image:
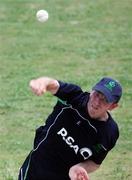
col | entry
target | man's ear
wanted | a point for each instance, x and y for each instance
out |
(113, 106)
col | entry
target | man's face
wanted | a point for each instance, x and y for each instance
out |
(98, 105)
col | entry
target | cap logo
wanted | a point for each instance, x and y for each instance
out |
(110, 85)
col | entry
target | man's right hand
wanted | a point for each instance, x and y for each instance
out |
(40, 85)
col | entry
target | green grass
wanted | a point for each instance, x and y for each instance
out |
(81, 42)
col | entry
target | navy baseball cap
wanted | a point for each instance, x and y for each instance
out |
(111, 89)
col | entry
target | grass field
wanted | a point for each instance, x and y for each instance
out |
(82, 41)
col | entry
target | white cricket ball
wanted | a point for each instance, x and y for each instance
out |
(42, 15)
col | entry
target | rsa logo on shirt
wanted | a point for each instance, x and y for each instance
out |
(84, 152)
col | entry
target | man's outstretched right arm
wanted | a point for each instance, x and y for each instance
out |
(71, 93)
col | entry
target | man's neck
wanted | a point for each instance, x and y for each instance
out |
(104, 117)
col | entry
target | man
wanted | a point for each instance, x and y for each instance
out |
(77, 135)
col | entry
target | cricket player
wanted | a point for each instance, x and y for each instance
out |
(77, 135)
